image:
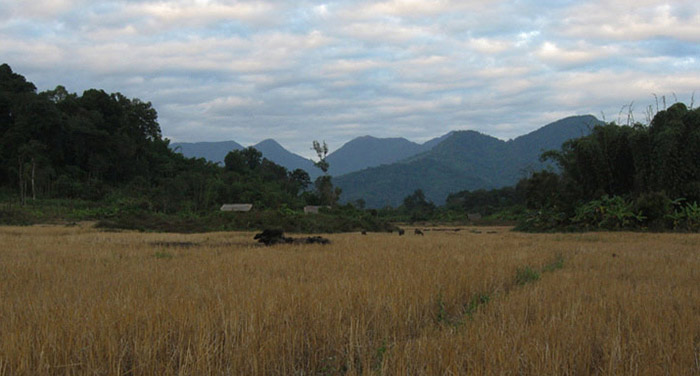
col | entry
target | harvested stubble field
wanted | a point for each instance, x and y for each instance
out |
(76, 301)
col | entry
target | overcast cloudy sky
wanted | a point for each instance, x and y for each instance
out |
(303, 70)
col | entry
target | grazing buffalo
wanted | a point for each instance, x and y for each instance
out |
(364, 232)
(271, 236)
(401, 232)
(276, 236)
(418, 232)
(312, 240)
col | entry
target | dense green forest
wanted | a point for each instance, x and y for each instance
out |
(60, 145)
(105, 154)
(632, 176)
(624, 176)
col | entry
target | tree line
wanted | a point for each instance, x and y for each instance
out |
(625, 176)
(106, 147)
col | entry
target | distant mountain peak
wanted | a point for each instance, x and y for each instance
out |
(469, 133)
(381, 139)
(269, 141)
(271, 145)
(272, 150)
(436, 141)
(367, 151)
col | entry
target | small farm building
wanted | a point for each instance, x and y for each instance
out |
(313, 209)
(236, 207)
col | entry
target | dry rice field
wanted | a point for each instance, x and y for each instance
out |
(77, 301)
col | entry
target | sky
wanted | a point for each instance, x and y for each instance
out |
(298, 71)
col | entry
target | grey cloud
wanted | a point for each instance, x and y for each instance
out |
(306, 70)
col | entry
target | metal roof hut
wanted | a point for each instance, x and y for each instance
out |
(474, 216)
(236, 207)
(312, 209)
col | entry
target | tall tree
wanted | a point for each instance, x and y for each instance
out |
(418, 206)
(322, 152)
(327, 194)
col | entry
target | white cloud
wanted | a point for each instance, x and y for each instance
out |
(627, 20)
(418, 8)
(503, 72)
(489, 45)
(383, 33)
(580, 54)
(223, 105)
(345, 67)
(524, 38)
(179, 14)
(405, 8)
(38, 9)
(321, 10)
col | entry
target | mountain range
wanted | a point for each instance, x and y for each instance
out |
(466, 160)
(382, 171)
(211, 151)
(357, 154)
(368, 151)
(270, 149)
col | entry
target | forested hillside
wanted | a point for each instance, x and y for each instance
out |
(107, 147)
(623, 176)
(466, 160)
(101, 156)
(368, 151)
(275, 152)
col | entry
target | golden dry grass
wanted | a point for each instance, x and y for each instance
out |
(75, 301)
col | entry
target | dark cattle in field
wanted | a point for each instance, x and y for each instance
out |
(401, 232)
(364, 232)
(418, 232)
(276, 236)
(271, 236)
(313, 240)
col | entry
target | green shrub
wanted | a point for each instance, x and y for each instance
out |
(545, 219)
(686, 217)
(610, 213)
(15, 216)
(474, 303)
(654, 207)
(526, 275)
